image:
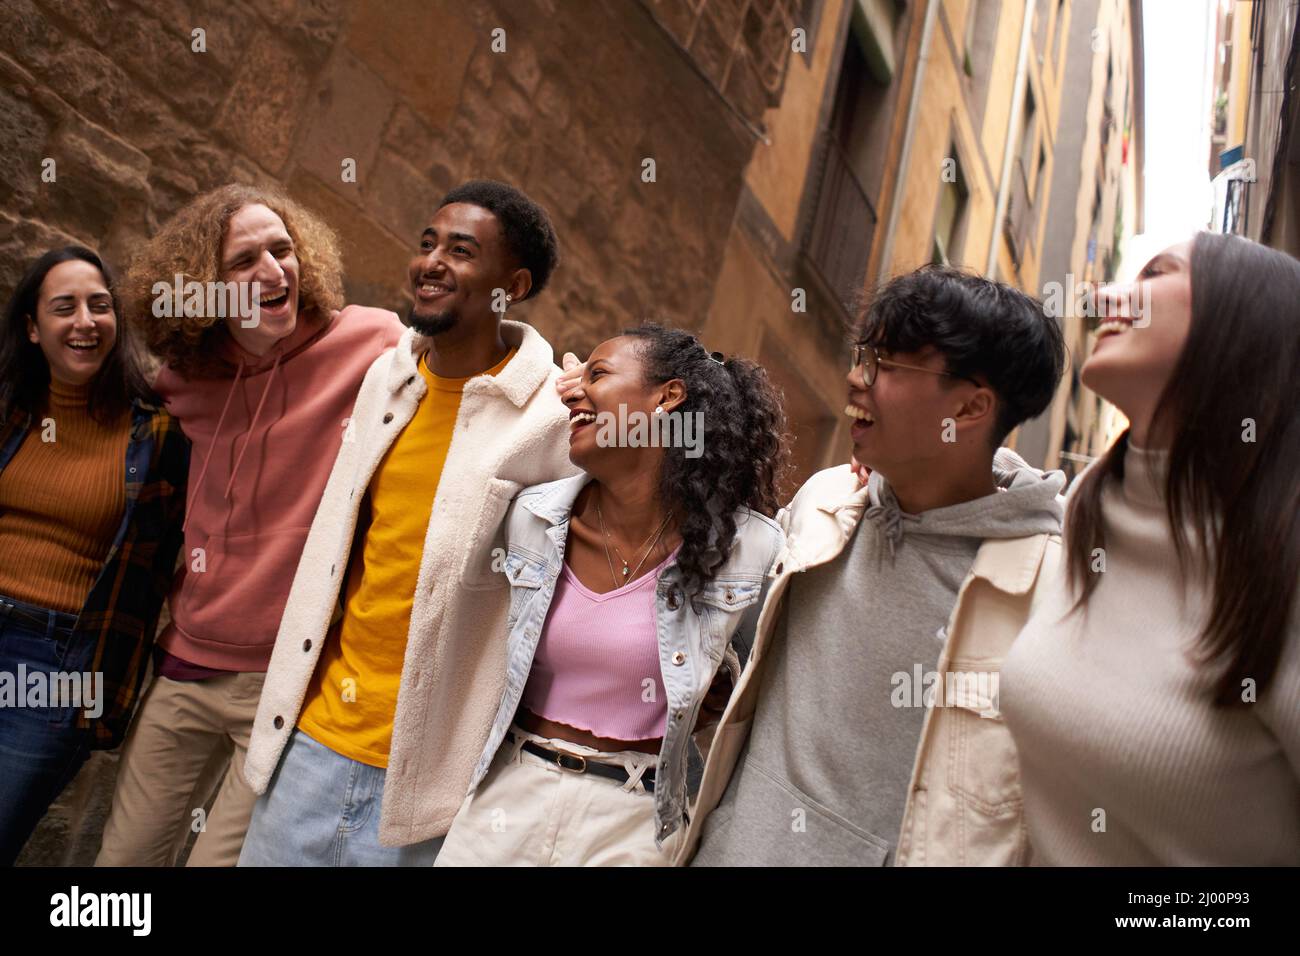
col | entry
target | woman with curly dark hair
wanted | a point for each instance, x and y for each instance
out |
(630, 585)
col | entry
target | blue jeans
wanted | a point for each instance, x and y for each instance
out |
(41, 748)
(322, 809)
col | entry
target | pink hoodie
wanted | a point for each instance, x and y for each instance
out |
(264, 441)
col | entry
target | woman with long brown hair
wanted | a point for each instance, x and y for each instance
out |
(92, 494)
(1154, 697)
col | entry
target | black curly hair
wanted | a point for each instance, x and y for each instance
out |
(744, 449)
(980, 327)
(525, 225)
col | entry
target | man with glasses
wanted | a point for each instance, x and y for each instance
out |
(865, 730)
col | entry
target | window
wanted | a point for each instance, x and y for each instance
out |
(950, 217)
(1027, 143)
(852, 163)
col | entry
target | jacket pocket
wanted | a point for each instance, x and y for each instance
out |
(525, 576)
(485, 556)
(721, 606)
(982, 763)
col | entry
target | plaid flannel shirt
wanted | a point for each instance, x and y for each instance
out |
(121, 612)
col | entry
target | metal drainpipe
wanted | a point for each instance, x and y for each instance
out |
(1017, 107)
(900, 181)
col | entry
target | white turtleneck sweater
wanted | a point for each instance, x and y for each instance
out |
(1115, 724)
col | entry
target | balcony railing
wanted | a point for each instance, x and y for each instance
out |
(839, 242)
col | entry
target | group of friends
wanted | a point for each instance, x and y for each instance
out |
(420, 612)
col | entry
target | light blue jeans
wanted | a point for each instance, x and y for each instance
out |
(322, 809)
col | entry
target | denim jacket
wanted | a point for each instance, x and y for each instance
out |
(693, 635)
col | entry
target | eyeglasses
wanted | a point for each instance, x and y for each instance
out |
(869, 359)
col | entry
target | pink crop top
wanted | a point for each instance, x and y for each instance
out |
(597, 661)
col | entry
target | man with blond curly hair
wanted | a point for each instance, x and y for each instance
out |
(264, 393)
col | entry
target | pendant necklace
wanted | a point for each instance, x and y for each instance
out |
(628, 570)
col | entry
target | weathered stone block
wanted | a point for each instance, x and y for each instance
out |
(520, 61)
(400, 198)
(29, 35)
(421, 50)
(409, 136)
(374, 260)
(22, 241)
(22, 147)
(348, 113)
(94, 20)
(161, 52)
(264, 107)
(312, 27)
(89, 81)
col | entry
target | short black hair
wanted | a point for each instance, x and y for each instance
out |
(981, 328)
(525, 225)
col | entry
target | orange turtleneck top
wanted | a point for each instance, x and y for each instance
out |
(61, 502)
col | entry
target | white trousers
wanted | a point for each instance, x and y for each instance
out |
(528, 811)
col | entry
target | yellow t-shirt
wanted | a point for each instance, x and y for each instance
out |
(353, 694)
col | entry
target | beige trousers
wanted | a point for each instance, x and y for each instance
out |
(187, 736)
(528, 811)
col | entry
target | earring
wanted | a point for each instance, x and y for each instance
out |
(509, 297)
(659, 409)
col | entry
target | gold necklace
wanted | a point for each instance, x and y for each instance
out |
(628, 571)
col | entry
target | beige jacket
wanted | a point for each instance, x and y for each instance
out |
(510, 433)
(964, 801)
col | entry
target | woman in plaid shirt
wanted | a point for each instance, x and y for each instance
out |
(92, 496)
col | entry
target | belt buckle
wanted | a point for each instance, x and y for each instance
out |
(561, 756)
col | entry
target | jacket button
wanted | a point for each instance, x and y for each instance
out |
(674, 601)
(780, 567)
(679, 716)
(679, 658)
(731, 596)
(279, 722)
(388, 417)
(306, 645)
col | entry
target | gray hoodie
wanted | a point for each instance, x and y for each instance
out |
(823, 778)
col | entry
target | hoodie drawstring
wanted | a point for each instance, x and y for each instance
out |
(203, 472)
(890, 520)
(252, 427)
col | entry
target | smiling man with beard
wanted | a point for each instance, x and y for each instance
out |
(372, 719)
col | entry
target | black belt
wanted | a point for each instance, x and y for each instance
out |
(579, 764)
(18, 612)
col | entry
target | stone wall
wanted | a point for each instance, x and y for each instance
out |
(136, 122)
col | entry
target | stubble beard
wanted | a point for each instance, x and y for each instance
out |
(431, 325)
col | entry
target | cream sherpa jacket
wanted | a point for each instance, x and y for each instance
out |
(510, 433)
